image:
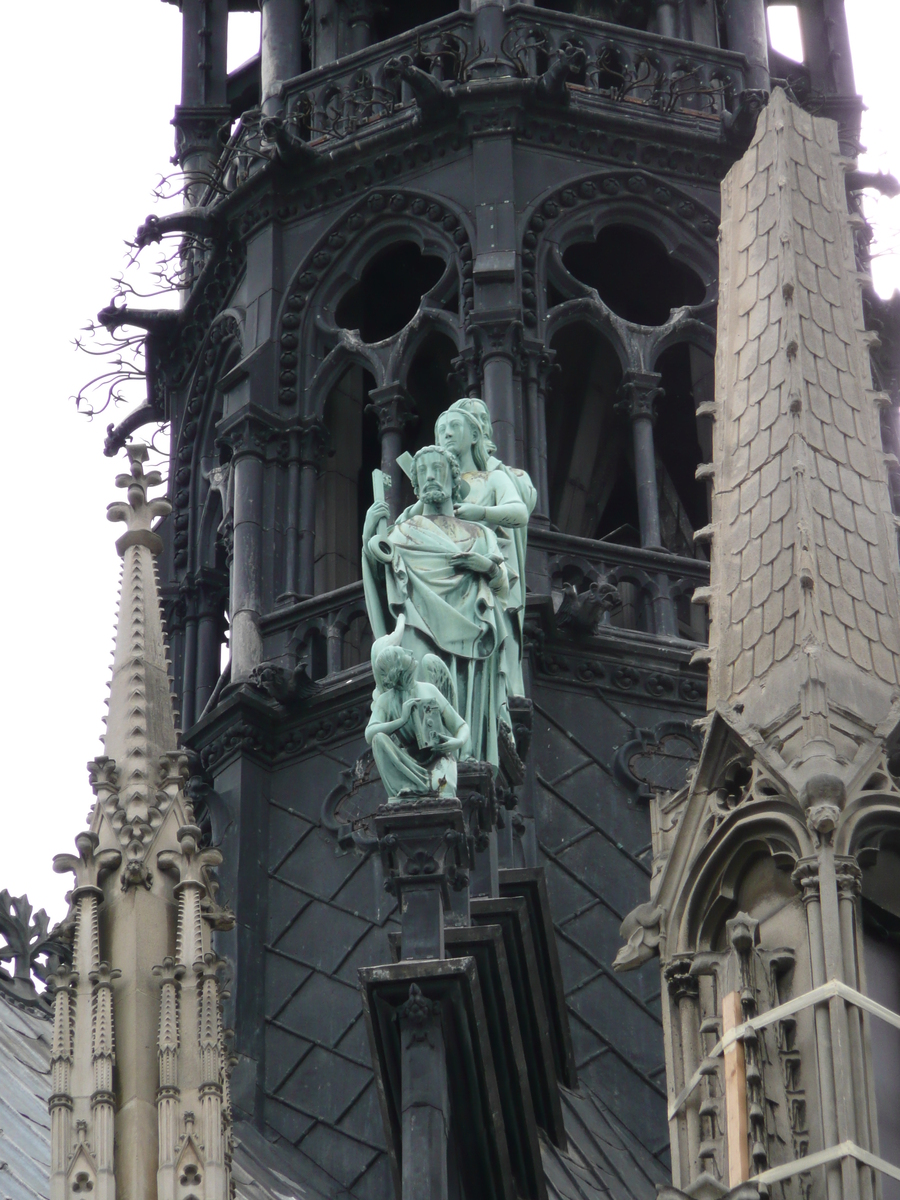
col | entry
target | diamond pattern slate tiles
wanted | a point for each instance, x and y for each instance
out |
(327, 917)
(594, 843)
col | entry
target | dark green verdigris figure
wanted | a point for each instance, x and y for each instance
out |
(445, 592)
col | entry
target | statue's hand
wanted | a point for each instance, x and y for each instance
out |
(377, 513)
(469, 512)
(478, 564)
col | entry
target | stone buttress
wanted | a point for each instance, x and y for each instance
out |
(140, 1101)
(761, 859)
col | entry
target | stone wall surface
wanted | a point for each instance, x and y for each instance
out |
(806, 549)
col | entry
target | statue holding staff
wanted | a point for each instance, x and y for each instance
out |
(498, 496)
(447, 578)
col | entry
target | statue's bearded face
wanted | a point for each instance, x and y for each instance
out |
(455, 432)
(434, 478)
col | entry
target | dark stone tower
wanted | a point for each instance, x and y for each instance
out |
(397, 204)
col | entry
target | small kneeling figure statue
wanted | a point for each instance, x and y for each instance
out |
(415, 732)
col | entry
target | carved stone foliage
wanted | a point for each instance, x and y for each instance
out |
(31, 948)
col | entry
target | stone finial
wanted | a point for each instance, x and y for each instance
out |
(139, 511)
(132, 781)
(26, 938)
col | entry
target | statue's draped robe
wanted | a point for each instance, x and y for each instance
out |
(505, 485)
(449, 611)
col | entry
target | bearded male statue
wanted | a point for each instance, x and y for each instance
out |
(447, 578)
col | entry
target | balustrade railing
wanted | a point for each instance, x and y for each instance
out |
(361, 91)
(625, 65)
(330, 633)
(640, 578)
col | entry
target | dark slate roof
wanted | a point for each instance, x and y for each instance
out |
(261, 1171)
(25, 1043)
(603, 1160)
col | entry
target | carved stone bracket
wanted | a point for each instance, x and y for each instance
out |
(426, 853)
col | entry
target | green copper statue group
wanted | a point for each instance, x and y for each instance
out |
(445, 594)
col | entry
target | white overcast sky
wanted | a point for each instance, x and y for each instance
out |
(90, 87)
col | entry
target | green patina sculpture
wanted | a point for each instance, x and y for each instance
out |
(415, 732)
(444, 591)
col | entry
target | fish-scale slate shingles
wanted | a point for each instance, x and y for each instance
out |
(798, 450)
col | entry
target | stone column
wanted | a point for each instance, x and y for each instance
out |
(748, 34)
(684, 990)
(204, 109)
(280, 56)
(189, 664)
(492, 60)
(639, 390)
(806, 878)
(667, 18)
(393, 407)
(497, 337)
(292, 522)
(849, 884)
(357, 19)
(313, 439)
(211, 600)
(538, 364)
(249, 437)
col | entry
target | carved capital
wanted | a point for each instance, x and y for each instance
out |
(464, 371)
(313, 442)
(638, 392)
(539, 360)
(497, 335)
(248, 434)
(805, 877)
(681, 983)
(202, 595)
(198, 130)
(393, 408)
(849, 877)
